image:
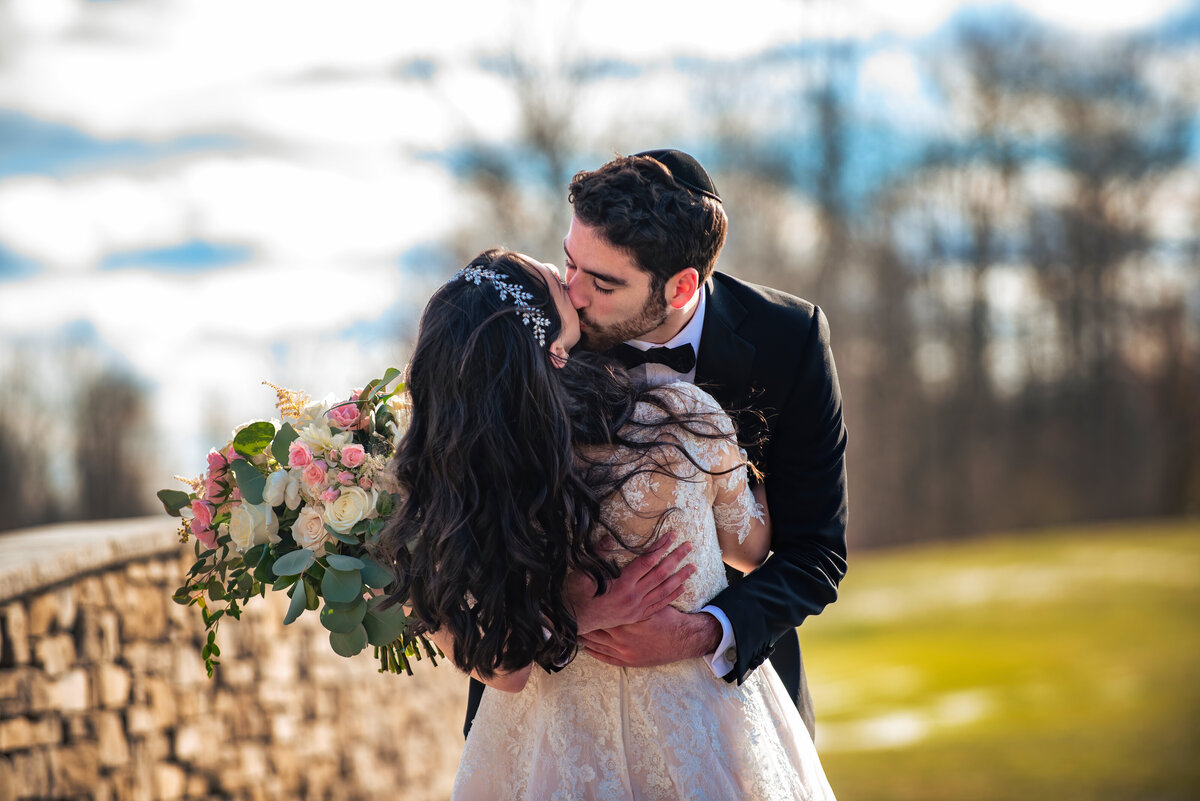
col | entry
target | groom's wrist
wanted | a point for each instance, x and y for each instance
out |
(700, 634)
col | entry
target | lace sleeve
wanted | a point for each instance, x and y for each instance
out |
(735, 509)
(734, 506)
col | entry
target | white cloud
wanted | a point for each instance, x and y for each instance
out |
(1105, 16)
(332, 210)
(891, 86)
(893, 72)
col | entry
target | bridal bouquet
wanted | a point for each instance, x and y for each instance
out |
(293, 506)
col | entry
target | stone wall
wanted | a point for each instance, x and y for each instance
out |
(103, 692)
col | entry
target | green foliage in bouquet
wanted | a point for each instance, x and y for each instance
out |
(296, 506)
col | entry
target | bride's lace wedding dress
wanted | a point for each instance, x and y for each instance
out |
(594, 731)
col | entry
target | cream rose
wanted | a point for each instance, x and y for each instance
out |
(353, 505)
(320, 439)
(309, 531)
(251, 525)
(276, 486)
(291, 495)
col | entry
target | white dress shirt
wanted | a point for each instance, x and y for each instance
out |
(724, 658)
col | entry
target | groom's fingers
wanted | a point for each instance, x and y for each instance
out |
(646, 561)
(605, 651)
(667, 570)
(668, 591)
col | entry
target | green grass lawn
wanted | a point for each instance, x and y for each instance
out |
(1050, 665)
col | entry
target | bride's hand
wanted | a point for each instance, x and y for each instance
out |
(645, 586)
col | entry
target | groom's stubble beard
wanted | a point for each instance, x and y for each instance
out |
(600, 338)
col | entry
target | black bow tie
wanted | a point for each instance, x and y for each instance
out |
(681, 359)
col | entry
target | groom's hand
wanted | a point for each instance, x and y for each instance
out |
(668, 636)
(645, 586)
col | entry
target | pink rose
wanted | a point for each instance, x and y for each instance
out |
(314, 472)
(365, 483)
(344, 416)
(299, 454)
(207, 537)
(345, 477)
(202, 512)
(214, 490)
(330, 495)
(353, 456)
(216, 463)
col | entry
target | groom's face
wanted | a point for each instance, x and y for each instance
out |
(614, 296)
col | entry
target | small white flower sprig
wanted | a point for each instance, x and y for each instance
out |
(530, 315)
(295, 505)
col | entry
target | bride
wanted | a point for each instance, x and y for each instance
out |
(529, 473)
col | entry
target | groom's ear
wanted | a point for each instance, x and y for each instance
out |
(682, 286)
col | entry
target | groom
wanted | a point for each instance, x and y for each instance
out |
(640, 257)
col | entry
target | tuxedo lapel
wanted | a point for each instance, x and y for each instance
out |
(725, 361)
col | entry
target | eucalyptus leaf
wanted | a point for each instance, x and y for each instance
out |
(343, 617)
(265, 569)
(384, 627)
(249, 481)
(375, 527)
(349, 644)
(254, 554)
(342, 562)
(296, 607)
(282, 442)
(312, 596)
(293, 563)
(341, 586)
(283, 582)
(375, 575)
(347, 538)
(254, 438)
(173, 500)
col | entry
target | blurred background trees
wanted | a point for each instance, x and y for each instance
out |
(1014, 312)
(1013, 286)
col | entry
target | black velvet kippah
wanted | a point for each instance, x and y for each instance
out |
(686, 170)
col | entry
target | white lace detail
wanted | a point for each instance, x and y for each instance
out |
(592, 731)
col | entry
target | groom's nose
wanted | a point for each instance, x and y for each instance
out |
(575, 289)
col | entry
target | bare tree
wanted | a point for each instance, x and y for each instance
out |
(110, 426)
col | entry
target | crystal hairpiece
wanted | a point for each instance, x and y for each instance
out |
(530, 316)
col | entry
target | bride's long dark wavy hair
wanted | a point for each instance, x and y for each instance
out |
(498, 500)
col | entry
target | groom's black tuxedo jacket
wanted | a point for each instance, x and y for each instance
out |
(764, 355)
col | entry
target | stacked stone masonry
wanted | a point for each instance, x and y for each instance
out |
(103, 695)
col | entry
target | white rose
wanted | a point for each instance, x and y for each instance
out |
(291, 495)
(276, 485)
(353, 505)
(321, 439)
(309, 531)
(251, 525)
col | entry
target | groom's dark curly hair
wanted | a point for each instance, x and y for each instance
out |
(499, 499)
(640, 208)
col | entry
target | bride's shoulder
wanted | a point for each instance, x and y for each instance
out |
(686, 398)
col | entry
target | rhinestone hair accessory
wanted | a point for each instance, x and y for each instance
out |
(521, 298)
